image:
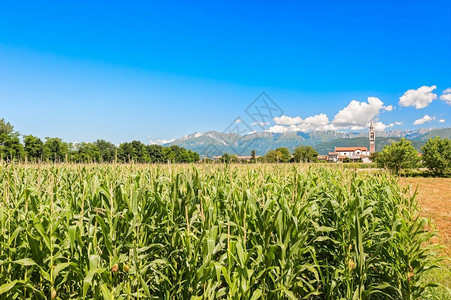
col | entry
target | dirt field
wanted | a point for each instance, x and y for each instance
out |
(434, 195)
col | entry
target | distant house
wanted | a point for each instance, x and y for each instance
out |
(354, 153)
(334, 157)
(322, 157)
(351, 153)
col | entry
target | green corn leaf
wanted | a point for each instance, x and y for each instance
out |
(4, 288)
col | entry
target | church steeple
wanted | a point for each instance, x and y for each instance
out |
(372, 139)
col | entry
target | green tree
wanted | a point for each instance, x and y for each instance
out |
(107, 150)
(133, 152)
(305, 154)
(178, 153)
(181, 155)
(373, 156)
(10, 147)
(7, 128)
(187, 157)
(194, 156)
(126, 153)
(229, 158)
(225, 158)
(87, 152)
(169, 155)
(285, 154)
(156, 153)
(253, 156)
(437, 156)
(34, 148)
(233, 158)
(398, 156)
(273, 156)
(55, 149)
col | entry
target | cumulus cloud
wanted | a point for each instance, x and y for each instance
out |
(285, 120)
(318, 120)
(262, 124)
(379, 126)
(388, 108)
(419, 98)
(441, 121)
(423, 120)
(293, 124)
(160, 142)
(446, 96)
(282, 129)
(357, 115)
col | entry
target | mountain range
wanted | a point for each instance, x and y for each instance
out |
(213, 143)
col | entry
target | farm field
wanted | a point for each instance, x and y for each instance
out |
(210, 231)
(434, 195)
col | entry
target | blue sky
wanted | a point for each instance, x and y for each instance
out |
(125, 70)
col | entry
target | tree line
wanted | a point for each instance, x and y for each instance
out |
(33, 149)
(402, 157)
(279, 155)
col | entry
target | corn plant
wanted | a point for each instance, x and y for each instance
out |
(209, 232)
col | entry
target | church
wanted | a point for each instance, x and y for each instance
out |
(360, 153)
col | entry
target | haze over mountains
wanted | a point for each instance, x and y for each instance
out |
(213, 143)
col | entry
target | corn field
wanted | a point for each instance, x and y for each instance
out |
(208, 232)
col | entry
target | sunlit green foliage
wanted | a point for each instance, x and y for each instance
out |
(398, 156)
(437, 156)
(181, 232)
(305, 154)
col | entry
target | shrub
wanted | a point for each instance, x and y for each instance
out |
(437, 156)
(398, 156)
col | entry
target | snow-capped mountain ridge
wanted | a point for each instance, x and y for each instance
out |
(261, 142)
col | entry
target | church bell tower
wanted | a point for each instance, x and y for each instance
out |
(372, 139)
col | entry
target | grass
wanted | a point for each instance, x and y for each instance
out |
(206, 232)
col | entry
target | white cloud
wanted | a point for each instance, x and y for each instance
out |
(357, 115)
(379, 126)
(262, 124)
(423, 120)
(318, 120)
(282, 129)
(441, 121)
(285, 120)
(419, 98)
(446, 96)
(388, 108)
(293, 124)
(160, 142)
